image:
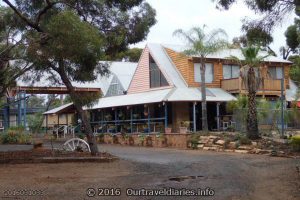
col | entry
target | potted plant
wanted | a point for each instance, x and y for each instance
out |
(149, 141)
(131, 140)
(168, 130)
(108, 117)
(184, 127)
(142, 139)
(145, 128)
(136, 116)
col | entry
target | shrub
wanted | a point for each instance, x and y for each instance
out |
(244, 140)
(194, 141)
(15, 135)
(35, 122)
(295, 142)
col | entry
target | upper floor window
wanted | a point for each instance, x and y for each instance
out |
(209, 72)
(275, 72)
(157, 79)
(231, 71)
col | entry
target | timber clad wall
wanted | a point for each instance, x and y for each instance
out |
(186, 68)
(141, 81)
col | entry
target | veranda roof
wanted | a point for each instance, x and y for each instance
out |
(171, 95)
(58, 109)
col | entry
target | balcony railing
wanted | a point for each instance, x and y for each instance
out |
(236, 85)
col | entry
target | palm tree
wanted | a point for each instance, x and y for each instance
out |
(200, 45)
(251, 77)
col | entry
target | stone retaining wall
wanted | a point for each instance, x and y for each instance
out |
(151, 140)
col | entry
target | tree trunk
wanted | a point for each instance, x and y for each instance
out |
(252, 125)
(84, 118)
(203, 98)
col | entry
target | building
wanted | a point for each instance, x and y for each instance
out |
(165, 91)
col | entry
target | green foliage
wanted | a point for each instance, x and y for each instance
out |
(292, 37)
(131, 55)
(194, 140)
(36, 101)
(295, 69)
(295, 142)
(240, 103)
(201, 43)
(15, 135)
(35, 122)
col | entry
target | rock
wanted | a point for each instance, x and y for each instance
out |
(231, 145)
(220, 142)
(200, 146)
(257, 151)
(244, 147)
(263, 151)
(213, 148)
(204, 137)
(213, 137)
(254, 143)
(228, 150)
(203, 141)
(241, 151)
(206, 148)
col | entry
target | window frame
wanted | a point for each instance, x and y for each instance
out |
(198, 74)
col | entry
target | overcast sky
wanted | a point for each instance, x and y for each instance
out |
(174, 14)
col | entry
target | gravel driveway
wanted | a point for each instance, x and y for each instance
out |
(228, 175)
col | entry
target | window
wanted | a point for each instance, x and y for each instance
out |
(231, 71)
(275, 72)
(209, 72)
(115, 88)
(157, 79)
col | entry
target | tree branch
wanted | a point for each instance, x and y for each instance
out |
(44, 10)
(25, 19)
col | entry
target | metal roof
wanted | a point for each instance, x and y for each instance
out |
(226, 53)
(55, 110)
(123, 70)
(163, 60)
(171, 95)
(132, 99)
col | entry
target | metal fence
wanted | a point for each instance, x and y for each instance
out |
(268, 119)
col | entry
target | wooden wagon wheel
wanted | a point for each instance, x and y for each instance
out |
(76, 144)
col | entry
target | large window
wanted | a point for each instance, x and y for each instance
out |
(275, 72)
(231, 71)
(157, 79)
(209, 72)
(115, 88)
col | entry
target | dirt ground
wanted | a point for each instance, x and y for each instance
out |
(231, 176)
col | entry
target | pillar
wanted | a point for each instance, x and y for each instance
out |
(218, 115)
(194, 116)
(148, 119)
(166, 115)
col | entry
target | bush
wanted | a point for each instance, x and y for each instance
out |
(244, 140)
(35, 122)
(15, 135)
(194, 141)
(295, 142)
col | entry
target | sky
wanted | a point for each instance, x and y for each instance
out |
(185, 14)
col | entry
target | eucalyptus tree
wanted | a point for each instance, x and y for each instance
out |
(201, 44)
(66, 39)
(252, 79)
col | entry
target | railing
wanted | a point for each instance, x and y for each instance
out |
(235, 85)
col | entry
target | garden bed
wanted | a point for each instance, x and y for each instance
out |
(49, 156)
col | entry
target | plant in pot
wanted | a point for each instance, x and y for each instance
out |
(142, 139)
(136, 116)
(121, 115)
(145, 128)
(108, 117)
(131, 140)
(125, 138)
(168, 130)
(101, 138)
(149, 141)
(183, 128)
